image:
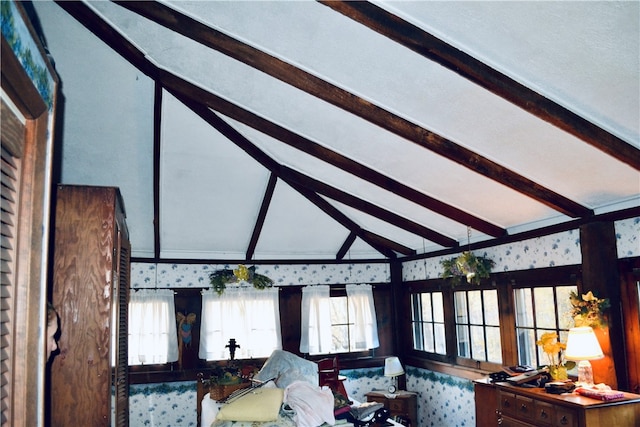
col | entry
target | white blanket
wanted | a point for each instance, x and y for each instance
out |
(312, 405)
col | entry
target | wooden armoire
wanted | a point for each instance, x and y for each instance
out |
(91, 253)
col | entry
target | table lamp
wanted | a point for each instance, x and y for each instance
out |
(583, 346)
(393, 368)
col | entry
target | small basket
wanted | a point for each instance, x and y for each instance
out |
(222, 391)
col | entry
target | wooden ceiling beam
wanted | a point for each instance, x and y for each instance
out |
(214, 39)
(429, 46)
(262, 214)
(344, 249)
(368, 208)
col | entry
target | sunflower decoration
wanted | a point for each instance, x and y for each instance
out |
(467, 265)
(220, 278)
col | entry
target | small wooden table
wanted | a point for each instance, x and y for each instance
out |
(404, 404)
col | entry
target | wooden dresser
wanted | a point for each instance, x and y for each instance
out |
(404, 404)
(89, 378)
(527, 407)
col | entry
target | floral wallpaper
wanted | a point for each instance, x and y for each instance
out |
(163, 404)
(628, 237)
(144, 275)
(443, 400)
(545, 251)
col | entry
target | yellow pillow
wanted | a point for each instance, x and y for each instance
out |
(261, 404)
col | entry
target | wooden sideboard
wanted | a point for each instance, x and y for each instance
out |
(404, 404)
(511, 406)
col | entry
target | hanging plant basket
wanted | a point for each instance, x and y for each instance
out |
(467, 266)
(220, 278)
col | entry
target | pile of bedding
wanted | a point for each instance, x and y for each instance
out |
(288, 395)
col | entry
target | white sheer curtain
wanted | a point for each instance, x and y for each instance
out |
(250, 316)
(152, 327)
(362, 314)
(315, 328)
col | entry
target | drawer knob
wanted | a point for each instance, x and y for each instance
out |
(564, 421)
(523, 408)
(543, 414)
(506, 403)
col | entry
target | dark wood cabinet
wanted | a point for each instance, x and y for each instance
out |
(524, 407)
(404, 404)
(91, 265)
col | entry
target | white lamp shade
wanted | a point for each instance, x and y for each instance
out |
(392, 367)
(582, 344)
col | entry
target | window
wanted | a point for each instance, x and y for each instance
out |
(338, 324)
(540, 310)
(427, 320)
(478, 325)
(250, 316)
(152, 327)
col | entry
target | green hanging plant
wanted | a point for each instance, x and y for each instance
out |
(220, 278)
(467, 265)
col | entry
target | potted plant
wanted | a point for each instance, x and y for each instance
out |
(467, 265)
(220, 278)
(588, 310)
(554, 349)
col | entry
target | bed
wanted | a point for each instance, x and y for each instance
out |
(284, 393)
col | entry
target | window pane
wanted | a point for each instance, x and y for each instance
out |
(339, 310)
(526, 347)
(428, 337)
(477, 343)
(545, 308)
(464, 349)
(494, 347)
(564, 306)
(524, 307)
(438, 307)
(475, 307)
(426, 308)
(441, 345)
(491, 313)
(416, 305)
(461, 308)
(340, 338)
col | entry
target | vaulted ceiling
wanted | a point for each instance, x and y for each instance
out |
(304, 130)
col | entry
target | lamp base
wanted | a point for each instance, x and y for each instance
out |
(585, 373)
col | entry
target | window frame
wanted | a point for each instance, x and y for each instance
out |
(417, 308)
(504, 283)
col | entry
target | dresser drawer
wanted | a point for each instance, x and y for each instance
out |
(545, 413)
(525, 408)
(507, 403)
(566, 417)
(398, 405)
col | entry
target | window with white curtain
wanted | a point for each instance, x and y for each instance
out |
(338, 324)
(152, 327)
(248, 315)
